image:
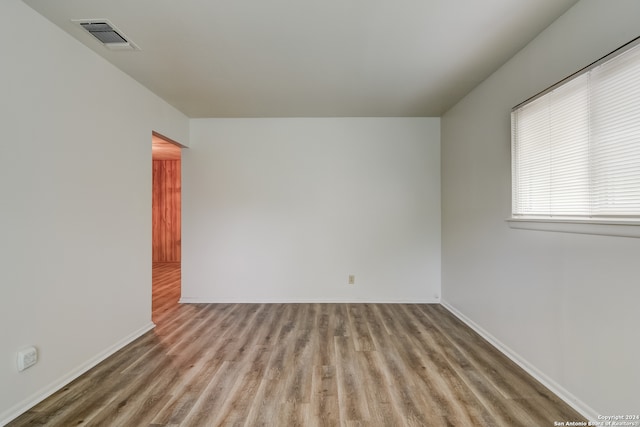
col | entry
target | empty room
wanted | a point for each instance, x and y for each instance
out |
(374, 213)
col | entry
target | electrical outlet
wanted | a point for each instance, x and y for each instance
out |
(27, 358)
(352, 279)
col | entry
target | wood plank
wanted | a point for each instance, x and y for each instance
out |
(166, 211)
(301, 364)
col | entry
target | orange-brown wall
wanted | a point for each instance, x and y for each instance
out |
(166, 210)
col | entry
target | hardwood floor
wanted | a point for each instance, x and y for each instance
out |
(301, 365)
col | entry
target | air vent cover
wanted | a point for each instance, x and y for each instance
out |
(106, 33)
(103, 32)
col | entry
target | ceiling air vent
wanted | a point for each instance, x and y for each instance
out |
(106, 33)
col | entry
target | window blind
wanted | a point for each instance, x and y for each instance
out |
(576, 146)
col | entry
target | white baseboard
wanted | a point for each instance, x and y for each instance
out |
(47, 391)
(187, 300)
(556, 388)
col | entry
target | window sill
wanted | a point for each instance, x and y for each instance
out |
(620, 228)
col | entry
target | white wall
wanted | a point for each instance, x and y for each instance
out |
(285, 209)
(566, 304)
(75, 222)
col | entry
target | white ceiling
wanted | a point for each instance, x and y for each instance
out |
(311, 58)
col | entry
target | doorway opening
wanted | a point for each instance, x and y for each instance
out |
(166, 225)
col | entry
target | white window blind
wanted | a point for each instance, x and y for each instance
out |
(576, 146)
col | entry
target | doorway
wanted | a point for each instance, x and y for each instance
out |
(166, 224)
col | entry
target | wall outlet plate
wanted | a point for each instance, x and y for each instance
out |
(27, 358)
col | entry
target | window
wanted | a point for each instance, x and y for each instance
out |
(576, 146)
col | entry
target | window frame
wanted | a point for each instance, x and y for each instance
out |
(610, 226)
